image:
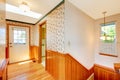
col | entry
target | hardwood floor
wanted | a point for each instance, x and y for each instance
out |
(28, 71)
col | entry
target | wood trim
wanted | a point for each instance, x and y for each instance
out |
(105, 73)
(105, 54)
(19, 22)
(75, 70)
(3, 70)
(34, 52)
(6, 52)
(117, 67)
(21, 61)
(50, 11)
(40, 42)
(65, 67)
(104, 67)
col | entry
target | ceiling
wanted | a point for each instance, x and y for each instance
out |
(39, 6)
(95, 8)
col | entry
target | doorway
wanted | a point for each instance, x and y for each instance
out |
(43, 42)
(18, 43)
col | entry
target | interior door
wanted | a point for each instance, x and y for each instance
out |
(18, 43)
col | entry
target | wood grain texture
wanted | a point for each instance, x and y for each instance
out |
(55, 64)
(42, 35)
(74, 70)
(117, 66)
(34, 52)
(28, 71)
(105, 54)
(3, 69)
(105, 73)
(6, 53)
(65, 67)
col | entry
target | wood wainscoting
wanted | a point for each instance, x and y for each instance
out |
(76, 71)
(55, 64)
(105, 73)
(64, 67)
(34, 50)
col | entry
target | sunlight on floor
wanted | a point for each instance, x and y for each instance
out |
(43, 61)
(24, 62)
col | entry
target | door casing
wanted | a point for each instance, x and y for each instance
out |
(40, 42)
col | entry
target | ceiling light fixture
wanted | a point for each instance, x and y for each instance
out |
(24, 7)
(104, 17)
(104, 37)
(16, 10)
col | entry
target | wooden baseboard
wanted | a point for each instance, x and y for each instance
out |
(22, 61)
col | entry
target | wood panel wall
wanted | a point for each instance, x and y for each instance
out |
(74, 70)
(105, 73)
(64, 67)
(55, 64)
(34, 52)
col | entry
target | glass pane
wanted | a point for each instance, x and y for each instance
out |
(108, 33)
(19, 36)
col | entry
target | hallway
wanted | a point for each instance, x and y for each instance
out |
(27, 71)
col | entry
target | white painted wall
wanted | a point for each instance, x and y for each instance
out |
(36, 35)
(107, 60)
(82, 37)
(2, 29)
(79, 35)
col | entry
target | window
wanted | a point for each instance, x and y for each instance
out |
(108, 38)
(108, 33)
(19, 36)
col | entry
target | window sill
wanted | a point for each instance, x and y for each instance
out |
(108, 55)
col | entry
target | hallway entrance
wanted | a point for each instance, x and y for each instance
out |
(42, 40)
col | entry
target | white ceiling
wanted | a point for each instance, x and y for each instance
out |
(39, 6)
(94, 8)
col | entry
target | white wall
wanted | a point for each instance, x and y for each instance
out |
(54, 30)
(79, 35)
(36, 35)
(107, 60)
(2, 29)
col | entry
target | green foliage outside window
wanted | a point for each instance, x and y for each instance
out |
(108, 33)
